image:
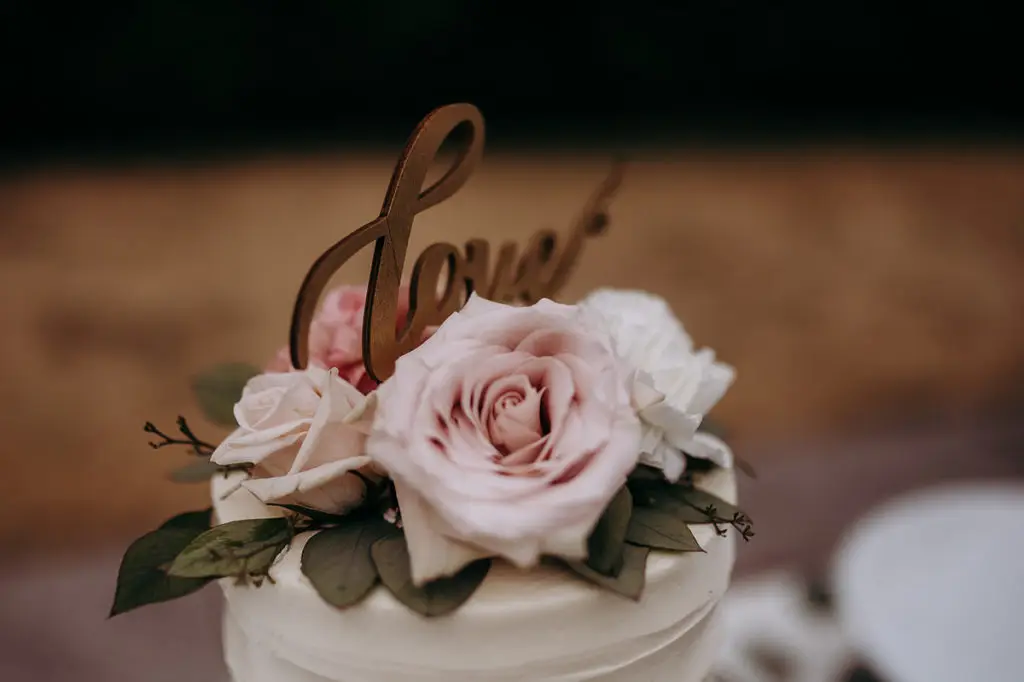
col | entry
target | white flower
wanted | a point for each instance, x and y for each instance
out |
(304, 432)
(673, 386)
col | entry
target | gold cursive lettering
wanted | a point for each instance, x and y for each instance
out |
(539, 273)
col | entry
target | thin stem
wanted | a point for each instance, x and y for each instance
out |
(187, 432)
(199, 447)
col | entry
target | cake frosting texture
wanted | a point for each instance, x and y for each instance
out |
(537, 625)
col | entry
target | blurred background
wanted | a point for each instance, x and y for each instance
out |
(832, 197)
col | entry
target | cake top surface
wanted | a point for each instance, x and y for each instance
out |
(424, 435)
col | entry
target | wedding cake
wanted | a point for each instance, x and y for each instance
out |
(459, 483)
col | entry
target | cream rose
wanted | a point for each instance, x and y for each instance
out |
(673, 386)
(506, 433)
(304, 433)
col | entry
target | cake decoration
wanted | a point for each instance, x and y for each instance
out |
(413, 435)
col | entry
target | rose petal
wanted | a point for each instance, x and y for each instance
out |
(303, 431)
(432, 555)
(338, 401)
(252, 448)
(517, 425)
(520, 461)
(716, 378)
(326, 487)
(705, 446)
(670, 460)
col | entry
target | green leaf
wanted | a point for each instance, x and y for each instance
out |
(698, 466)
(644, 483)
(684, 501)
(604, 546)
(437, 598)
(200, 471)
(646, 474)
(142, 580)
(321, 517)
(239, 548)
(196, 520)
(218, 389)
(695, 503)
(630, 580)
(660, 529)
(338, 563)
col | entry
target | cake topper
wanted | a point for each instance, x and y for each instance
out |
(540, 272)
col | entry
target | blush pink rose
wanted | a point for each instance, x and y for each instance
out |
(336, 336)
(506, 433)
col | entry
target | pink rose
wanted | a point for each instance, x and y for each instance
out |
(336, 336)
(506, 433)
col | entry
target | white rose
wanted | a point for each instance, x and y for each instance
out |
(673, 386)
(304, 433)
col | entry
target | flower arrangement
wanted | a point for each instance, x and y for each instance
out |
(417, 442)
(543, 432)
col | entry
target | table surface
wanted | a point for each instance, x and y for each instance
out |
(53, 607)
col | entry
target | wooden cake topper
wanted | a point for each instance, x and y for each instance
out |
(540, 272)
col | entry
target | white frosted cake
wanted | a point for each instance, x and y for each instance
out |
(537, 621)
(539, 625)
(447, 483)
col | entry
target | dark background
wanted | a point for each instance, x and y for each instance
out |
(169, 76)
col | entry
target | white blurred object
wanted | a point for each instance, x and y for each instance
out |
(930, 587)
(770, 623)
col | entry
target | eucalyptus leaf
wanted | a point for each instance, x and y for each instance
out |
(219, 388)
(437, 598)
(604, 546)
(685, 501)
(316, 515)
(646, 484)
(338, 563)
(196, 520)
(630, 580)
(259, 563)
(660, 529)
(695, 503)
(199, 471)
(239, 548)
(698, 466)
(646, 474)
(142, 580)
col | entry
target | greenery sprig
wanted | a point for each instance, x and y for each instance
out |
(197, 446)
(199, 471)
(739, 521)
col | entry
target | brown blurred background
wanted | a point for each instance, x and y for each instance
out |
(852, 290)
(854, 245)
